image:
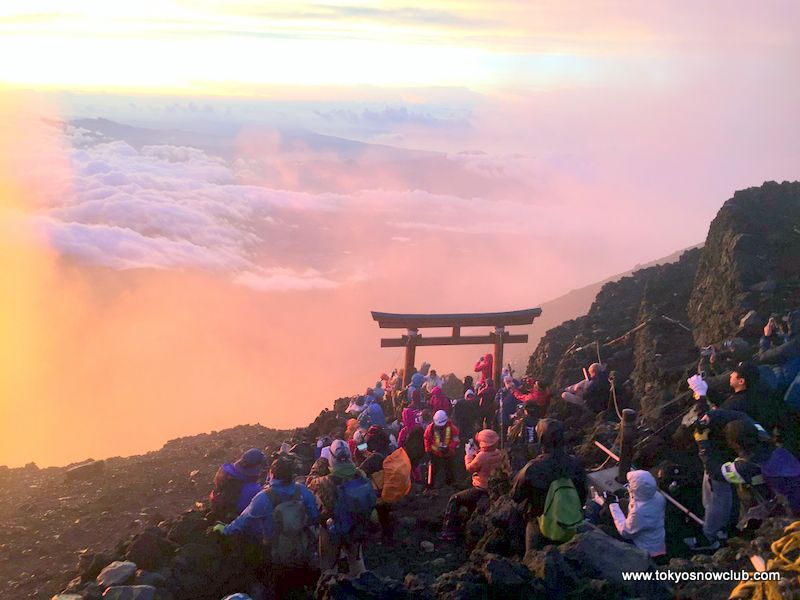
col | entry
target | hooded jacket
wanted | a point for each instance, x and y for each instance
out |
(597, 391)
(484, 367)
(439, 401)
(486, 461)
(644, 525)
(233, 490)
(533, 481)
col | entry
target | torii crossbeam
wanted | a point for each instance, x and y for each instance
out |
(412, 338)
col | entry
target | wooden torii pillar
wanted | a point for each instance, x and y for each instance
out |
(412, 323)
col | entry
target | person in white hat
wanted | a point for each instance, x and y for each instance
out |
(441, 441)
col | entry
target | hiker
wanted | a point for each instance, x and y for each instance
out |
(480, 462)
(592, 393)
(717, 493)
(644, 524)
(743, 381)
(522, 440)
(441, 441)
(484, 367)
(410, 417)
(378, 449)
(553, 487)
(235, 485)
(487, 404)
(356, 407)
(347, 498)
(433, 381)
(508, 405)
(759, 471)
(785, 354)
(465, 414)
(539, 393)
(439, 401)
(417, 380)
(282, 516)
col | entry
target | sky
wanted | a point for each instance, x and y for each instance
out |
(201, 201)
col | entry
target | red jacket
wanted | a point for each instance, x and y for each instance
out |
(539, 397)
(441, 441)
(439, 401)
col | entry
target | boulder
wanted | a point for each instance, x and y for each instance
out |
(426, 546)
(597, 555)
(149, 578)
(500, 529)
(131, 592)
(367, 586)
(150, 550)
(117, 573)
(85, 470)
(67, 597)
(551, 567)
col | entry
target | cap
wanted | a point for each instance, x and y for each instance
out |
(340, 452)
(487, 438)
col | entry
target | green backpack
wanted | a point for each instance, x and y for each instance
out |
(292, 543)
(562, 511)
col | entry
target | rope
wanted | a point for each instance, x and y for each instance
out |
(781, 548)
(613, 386)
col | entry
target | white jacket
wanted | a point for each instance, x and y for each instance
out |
(644, 525)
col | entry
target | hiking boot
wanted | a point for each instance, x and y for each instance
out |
(447, 536)
(703, 544)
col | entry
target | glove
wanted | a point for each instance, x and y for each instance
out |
(701, 435)
(698, 386)
(219, 528)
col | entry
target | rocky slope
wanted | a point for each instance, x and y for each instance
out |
(48, 516)
(646, 327)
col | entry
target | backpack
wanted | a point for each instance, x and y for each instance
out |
(562, 511)
(225, 493)
(355, 499)
(291, 544)
(396, 476)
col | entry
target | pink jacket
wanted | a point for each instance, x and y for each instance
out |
(482, 466)
(439, 401)
(484, 367)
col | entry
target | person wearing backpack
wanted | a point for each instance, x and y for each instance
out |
(553, 488)
(480, 463)
(760, 472)
(279, 519)
(235, 485)
(347, 499)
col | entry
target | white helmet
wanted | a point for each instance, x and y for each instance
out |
(440, 418)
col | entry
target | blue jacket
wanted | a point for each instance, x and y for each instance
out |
(256, 520)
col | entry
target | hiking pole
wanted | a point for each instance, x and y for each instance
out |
(677, 504)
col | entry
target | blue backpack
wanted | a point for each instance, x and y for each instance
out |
(355, 499)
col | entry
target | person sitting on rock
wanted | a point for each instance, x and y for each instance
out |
(346, 497)
(522, 440)
(441, 440)
(532, 484)
(480, 462)
(592, 393)
(644, 524)
(283, 514)
(235, 485)
(538, 393)
(780, 348)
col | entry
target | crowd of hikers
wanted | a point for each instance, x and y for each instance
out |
(303, 520)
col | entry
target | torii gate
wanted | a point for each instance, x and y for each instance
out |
(498, 337)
